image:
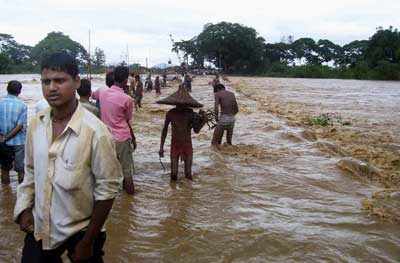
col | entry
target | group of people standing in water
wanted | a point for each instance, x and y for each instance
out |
(77, 154)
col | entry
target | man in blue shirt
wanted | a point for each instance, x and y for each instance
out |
(13, 122)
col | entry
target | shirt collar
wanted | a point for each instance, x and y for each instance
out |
(74, 123)
(11, 96)
(115, 87)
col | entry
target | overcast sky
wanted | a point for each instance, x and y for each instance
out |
(144, 26)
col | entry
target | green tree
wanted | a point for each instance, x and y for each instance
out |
(4, 63)
(230, 46)
(57, 42)
(190, 49)
(16, 56)
(306, 48)
(384, 45)
(353, 53)
(99, 60)
(278, 52)
(329, 51)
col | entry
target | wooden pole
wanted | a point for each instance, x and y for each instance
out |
(90, 60)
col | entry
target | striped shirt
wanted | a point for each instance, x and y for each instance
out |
(13, 112)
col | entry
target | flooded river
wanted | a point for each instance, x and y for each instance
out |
(274, 196)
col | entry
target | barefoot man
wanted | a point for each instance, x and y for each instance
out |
(183, 119)
(225, 100)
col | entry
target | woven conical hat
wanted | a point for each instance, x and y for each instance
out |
(181, 97)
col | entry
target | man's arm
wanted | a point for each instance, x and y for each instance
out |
(11, 134)
(235, 106)
(133, 136)
(21, 124)
(26, 190)
(216, 106)
(84, 248)
(129, 114)
(164, 135)
(107, 173)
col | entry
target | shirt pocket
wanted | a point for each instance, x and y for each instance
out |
(67, 175)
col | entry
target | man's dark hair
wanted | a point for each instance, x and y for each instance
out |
(219, 87)
(14, 87)
(121, 73)
(110, 79)
(61, 61)
(85, 89)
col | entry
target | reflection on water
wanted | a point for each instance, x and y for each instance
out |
(276, 195)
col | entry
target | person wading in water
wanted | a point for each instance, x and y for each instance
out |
(225, 100)
(72, 173)
(183, 119)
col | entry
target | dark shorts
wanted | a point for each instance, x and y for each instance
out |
(34, 253)
(12, 154)
(181, 150)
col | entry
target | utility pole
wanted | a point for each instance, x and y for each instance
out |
(127, 55)
(89, 61)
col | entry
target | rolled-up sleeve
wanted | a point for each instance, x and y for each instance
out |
(106, 169)
(26, 190)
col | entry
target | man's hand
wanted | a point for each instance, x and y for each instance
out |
(83, 251)
(134, 143)
(161, 153)
(26, 221)
(2, 138)
(203, 115)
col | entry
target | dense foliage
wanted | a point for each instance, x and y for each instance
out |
(17, 58)
(239, 49)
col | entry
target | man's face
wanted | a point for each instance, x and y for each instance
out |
(58, 87)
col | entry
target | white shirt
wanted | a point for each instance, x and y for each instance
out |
(64, 177)
(41, 105)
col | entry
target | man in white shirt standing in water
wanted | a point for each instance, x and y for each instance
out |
(72, 174)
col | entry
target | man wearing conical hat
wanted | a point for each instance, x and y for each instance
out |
(183, 119)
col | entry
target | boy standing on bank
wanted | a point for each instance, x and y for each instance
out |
(183, 119)
(72, 173)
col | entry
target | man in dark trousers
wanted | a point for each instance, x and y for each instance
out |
(72, 173)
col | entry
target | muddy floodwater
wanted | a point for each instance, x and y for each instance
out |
(277, 195)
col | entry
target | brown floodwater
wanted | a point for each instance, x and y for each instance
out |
(272, 197)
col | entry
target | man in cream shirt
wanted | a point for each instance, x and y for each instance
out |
(72, 173)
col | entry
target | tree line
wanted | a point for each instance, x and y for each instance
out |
(239, 49)
(18, 58)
